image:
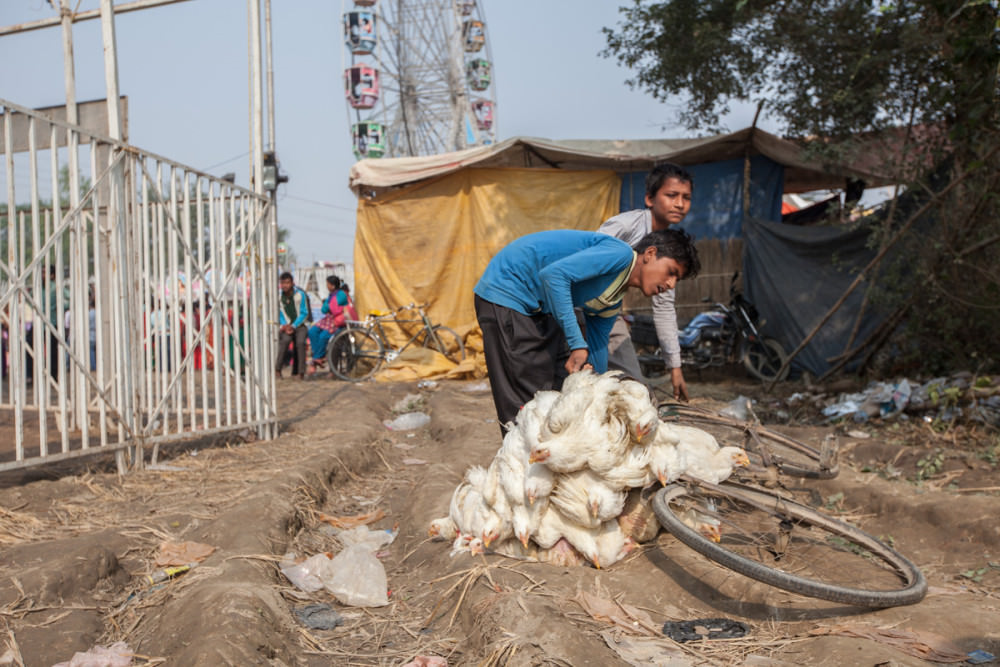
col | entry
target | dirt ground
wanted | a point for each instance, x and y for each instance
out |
(75, 542)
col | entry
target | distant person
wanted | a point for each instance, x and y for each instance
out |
(292, 318)
(337, 309)
(668, 200)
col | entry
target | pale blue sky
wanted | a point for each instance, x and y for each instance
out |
(184, 69)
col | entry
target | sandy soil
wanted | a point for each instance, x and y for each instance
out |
(74, 544)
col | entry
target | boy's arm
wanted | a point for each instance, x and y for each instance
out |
(665, 321)
(598, 332)
(557, 281)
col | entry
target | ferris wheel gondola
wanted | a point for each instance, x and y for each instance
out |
(418, 77)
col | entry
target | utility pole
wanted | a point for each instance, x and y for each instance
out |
(256, 93)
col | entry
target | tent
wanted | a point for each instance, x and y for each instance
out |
(427, 226)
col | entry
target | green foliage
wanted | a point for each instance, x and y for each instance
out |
(825, 69)
(924, 74)
(930, 465)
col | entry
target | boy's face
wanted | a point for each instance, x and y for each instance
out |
(286, 285)
(671, 202)
(658, 274)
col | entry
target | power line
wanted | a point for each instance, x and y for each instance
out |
(319, 203)
(232, 159)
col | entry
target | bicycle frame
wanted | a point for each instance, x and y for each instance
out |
(375, 326)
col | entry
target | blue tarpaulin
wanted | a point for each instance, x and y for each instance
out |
(717, 200)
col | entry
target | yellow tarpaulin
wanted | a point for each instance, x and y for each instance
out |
(429, 243)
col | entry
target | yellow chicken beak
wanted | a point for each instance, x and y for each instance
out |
(487, 539)
(597, 563)
(712, 532)
(741, 459)
(662, 476)
(524, 540)
(594, 508)
(531, 498)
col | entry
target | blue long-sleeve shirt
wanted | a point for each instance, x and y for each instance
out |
(556, 271)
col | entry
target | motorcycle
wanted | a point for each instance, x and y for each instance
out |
(724, 334)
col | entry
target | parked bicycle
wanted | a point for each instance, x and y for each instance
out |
(767, 536)
(360, 350)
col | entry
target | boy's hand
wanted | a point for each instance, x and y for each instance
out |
(680, 387)
(577, 361)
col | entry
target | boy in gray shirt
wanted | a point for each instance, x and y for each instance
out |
(668, 200)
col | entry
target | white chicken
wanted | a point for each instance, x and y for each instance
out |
(466, 544)
(638, 411)
(531, 419)
(567, 465)
(666, 461)
(700, 522)
(443, 529)
(577, 393)
(584, 498)
(538, 482)
(705, 460)
(633, 470)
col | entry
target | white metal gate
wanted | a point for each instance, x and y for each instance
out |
(137, 298)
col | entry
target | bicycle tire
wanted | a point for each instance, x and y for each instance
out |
(445, 341)
(765, 447)
(355, 354)
(763, 359)
(767, 537)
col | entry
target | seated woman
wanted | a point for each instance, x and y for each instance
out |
(337, 309)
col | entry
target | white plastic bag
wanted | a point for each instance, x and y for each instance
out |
(358, 578)
(408, 421)
(308, 575)
(361, 535)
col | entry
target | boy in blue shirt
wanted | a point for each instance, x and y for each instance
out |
(525, 303)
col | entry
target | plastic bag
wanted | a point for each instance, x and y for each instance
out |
(358, 578)
(362, 536)
(116, 655)
(408, 421)
(308, 575)
(736, 408)
(409, 403)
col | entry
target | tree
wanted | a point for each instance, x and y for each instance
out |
(924, 72)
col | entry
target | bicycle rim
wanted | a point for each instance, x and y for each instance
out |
(445, 341)
(765, 447)
(788, 545)
(355, 355)
(764, 358)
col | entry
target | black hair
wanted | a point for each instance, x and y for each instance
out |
(659, 174)
(333, 281)
(286, 276)
(674, 243)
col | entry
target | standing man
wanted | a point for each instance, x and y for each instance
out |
(668, 200)
(292, 317)
(525, 300)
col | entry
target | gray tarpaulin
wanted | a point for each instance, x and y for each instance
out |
(793, 275)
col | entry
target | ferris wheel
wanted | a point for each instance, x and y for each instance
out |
(417, 77)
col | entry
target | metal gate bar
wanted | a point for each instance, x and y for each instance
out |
(150, 293)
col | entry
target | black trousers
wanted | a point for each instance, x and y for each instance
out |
(298, 339)
(524, 354)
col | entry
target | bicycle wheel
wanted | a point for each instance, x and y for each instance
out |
(765, 447)
(445, 341)
(354, 355)
(763, 359)
(788, 545)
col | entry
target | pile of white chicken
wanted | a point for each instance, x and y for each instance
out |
(557, 488)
